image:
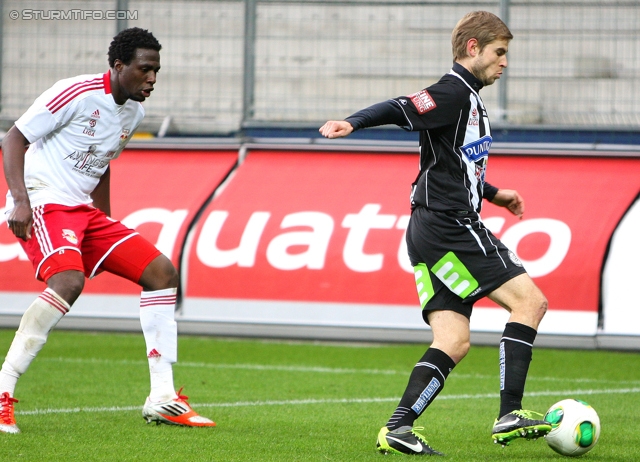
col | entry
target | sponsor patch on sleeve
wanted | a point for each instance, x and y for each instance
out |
(423, 101)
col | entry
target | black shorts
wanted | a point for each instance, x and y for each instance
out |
(456, 260)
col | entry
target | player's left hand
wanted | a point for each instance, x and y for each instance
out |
(20, 221)
(511, 200)
(336, 129)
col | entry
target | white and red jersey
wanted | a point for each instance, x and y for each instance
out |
(75, 129)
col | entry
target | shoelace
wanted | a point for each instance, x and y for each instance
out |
(181, 396)
(419, 436)
(532, 415)
(6, 413)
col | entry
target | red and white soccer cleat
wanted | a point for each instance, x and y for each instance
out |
(174, 412)
(7, 420)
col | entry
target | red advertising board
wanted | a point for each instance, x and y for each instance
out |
(328, 227)
(158, 192)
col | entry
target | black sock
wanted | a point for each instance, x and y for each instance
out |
(515, 356)
(425, 382)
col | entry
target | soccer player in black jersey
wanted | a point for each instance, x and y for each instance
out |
(456, 259)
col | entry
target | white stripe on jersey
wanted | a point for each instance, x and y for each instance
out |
(473, 137)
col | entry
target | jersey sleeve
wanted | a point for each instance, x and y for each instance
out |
(41, 119)
(385, 113)
(489, 191)
(436, 106)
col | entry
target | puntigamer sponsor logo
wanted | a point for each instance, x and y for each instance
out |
(477, 149)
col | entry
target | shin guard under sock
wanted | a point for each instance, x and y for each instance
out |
(515, 356)
(425, 382)
(36, 323)
(157, 318)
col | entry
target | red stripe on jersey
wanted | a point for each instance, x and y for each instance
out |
(74, 90)
(60, 104)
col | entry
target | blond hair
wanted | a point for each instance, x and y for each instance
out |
(483, 26)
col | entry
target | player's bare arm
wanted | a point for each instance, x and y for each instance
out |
(20, 219)
(511, 200)
(336, 129)
(102, 194)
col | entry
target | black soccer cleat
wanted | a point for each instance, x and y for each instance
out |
(519, 424)
(404, 440)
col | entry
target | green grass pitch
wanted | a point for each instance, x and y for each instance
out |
(81, 400)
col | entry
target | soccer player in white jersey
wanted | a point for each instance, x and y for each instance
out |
(58, 206)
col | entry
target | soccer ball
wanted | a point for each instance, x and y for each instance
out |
(575, 427)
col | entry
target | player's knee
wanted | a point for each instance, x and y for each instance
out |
(171, 278)
(541, 308)
(463, 348)
(160, 274)
(67, 284)
(456, 349)
(535, 310)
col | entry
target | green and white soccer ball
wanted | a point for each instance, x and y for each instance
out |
(575, 427)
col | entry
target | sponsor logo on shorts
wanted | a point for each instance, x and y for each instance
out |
(453, 274)
(423, 283)
(423, 101)
(514, 258)
(70, 236)
(475, 292)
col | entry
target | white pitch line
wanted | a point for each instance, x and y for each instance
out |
(295, 402)
(325, 370)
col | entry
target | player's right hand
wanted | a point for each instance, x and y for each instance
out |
(336, 129)
(21, 221)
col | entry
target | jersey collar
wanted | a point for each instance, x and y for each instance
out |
(467, 76)
(106, 79)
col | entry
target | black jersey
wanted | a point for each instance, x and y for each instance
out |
(455, 137)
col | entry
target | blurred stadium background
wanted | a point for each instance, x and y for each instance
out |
(229, 65)
(243, 80)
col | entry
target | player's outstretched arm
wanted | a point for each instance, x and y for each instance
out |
(336, 129)
(511, 200)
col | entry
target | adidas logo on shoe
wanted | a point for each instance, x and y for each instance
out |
(174, 412)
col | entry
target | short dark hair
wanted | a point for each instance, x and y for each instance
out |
(483, 26)
(124, 45)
